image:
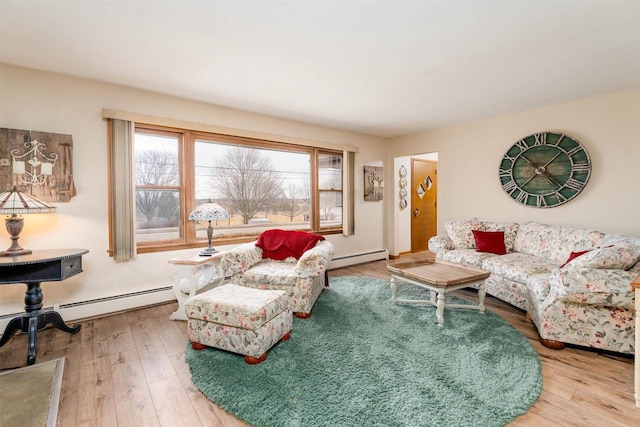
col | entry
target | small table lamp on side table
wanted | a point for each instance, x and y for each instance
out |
(209, 212)
(14, 203)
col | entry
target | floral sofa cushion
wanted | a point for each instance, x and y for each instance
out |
(613, 252)
(272, 273)
(609, 288)
(554, 242)
(466, 257)
(538, 285)
(517, 267)
(460, 232)
(461, 235)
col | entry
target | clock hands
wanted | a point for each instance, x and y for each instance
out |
(553, 181)
(541, 173)
(541, 170)
(528, 161)
(527, 181)
(549, 162)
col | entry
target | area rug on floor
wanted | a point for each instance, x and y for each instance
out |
(30, 395)
(361, 361)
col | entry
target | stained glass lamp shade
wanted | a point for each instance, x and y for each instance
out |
(13, 203)
(209, 212)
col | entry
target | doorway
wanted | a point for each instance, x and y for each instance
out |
(424, 202)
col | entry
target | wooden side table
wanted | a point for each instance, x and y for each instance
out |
(636, 285)
(32, 269)
(188, 268)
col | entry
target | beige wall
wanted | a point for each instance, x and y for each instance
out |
(469, 156)
(49, 102)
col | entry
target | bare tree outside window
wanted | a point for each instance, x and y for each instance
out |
(246, 180)
(156, 168)
(295, 200)
(261, 183)
(330, 198)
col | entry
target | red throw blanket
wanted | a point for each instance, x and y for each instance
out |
(280, 244)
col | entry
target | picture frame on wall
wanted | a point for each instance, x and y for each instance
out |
(37, 163)
(373, 183)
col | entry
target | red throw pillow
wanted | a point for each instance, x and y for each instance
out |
(574, 255)
(490, 241)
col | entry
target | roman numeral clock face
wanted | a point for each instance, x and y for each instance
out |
(545, 170)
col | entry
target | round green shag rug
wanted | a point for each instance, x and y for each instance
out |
(361, 361)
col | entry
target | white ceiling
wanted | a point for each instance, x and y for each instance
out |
(385, 68)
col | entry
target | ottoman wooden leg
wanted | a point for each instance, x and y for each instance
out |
(285, 337)
(302, 315)
(255, 360)
(552, 344)
(198, 346)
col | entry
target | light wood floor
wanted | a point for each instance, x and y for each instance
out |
(128, 370)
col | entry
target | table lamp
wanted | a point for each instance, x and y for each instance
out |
(209, 212)
(13, 203)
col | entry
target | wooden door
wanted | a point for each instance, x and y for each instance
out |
(424, 203)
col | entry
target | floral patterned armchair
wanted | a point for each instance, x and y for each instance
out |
(303, 279)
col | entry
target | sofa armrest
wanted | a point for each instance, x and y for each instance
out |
(609, 288)
(440, 244)
(241, 258)
(315, 261)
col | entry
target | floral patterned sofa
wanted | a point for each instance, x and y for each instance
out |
(303, 279)
(574, 283)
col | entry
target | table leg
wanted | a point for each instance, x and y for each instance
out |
(394, 288)
(481, 294)
(440, 308)
(54, 318)
(34, 320)
(183, 273)
(12, 327)
(32, 330)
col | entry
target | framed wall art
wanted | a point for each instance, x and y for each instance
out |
(38, 163)
(373, 183)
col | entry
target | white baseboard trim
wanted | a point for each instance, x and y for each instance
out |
(103, 306)
(347, 260)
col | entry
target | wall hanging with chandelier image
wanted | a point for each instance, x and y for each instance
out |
(37, 163)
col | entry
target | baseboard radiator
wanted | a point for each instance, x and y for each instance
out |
(103, 306)
(347, 260)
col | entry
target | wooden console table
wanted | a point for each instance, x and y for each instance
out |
(636, 286)
(40, 266)
(185, 282)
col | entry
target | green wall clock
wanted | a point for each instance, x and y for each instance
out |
(545, 170)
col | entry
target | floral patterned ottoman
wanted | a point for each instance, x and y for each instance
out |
(242, 320)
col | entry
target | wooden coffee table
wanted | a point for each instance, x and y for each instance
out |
(439, 277)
